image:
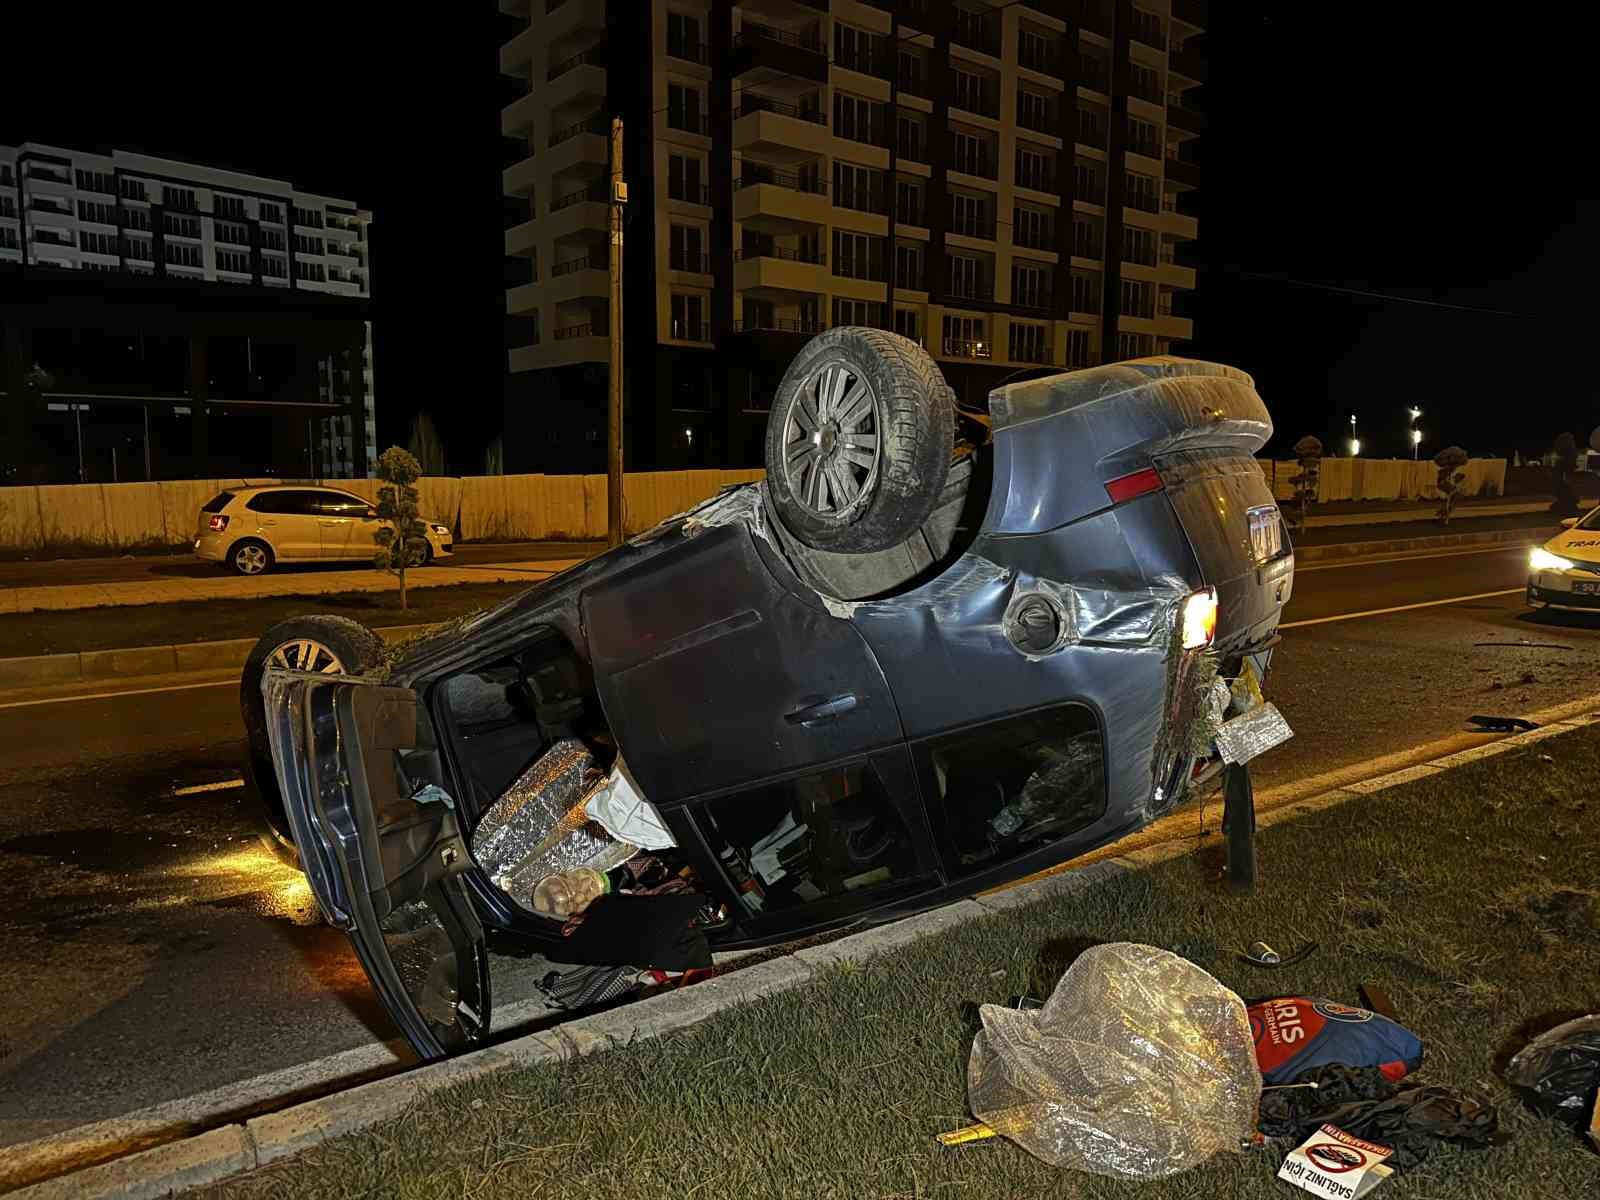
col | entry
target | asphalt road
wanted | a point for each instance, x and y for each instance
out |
(144, 567)
(157, 951)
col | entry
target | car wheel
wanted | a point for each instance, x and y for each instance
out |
(323, 644)
(248, 556)
(858, 440)
(427, 555)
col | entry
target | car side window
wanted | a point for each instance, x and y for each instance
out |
(334, 504)
(287, 502)
(822, 835)
(1014, 785)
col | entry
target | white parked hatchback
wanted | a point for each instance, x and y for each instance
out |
(251, 528)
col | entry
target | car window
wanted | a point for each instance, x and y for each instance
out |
(1013, 786)
(1592, 521)
(217, 503)
(285, 500)
(823, 835)
(337, 504)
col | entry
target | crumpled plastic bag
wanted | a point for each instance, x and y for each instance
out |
(1558, 1073)
(1140, 1065)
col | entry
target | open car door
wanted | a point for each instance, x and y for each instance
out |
(383, 851)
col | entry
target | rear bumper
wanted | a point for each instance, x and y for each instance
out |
(212, 547)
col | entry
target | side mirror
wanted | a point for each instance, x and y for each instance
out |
(372, 514)
(1568, 522)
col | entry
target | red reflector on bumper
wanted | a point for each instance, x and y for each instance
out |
(1126, 487)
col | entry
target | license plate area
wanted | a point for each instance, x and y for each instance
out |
(1266, 532)
(1586, 587)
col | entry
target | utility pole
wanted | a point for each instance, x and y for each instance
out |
(619, 198)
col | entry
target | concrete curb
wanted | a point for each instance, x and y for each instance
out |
(239, 1147)
(1440, 541)
(91, 666)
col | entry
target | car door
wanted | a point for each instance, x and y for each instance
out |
(761, 721)
(384, 853)
(344, 528)
(287, 518)
(716, 668)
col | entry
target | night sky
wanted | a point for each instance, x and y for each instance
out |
(1427, 156)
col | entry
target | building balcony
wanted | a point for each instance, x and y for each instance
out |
(1186, 173)
(777, 325)
(981, 228)
(517, 117)
(1041, 303)
(521, 239)
(982, 292)
(580, 81)
(1185, 118)
(801, 55)
(976, 31)
(1175, 275)
(595, 123)
(585, 281)
(568, 26)
(1190, 12)
(516, 56)
(582, 221)
(771, 203)
(517, 179)
(783, 10)
(1181, 225)
(50, 177)
(779, 274)
(780, 132)
(1174, 327)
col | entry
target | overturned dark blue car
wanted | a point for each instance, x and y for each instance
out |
(931, 653)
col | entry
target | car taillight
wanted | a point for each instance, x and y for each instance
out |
(1200, 619)
(1126, 487)
(218, 522)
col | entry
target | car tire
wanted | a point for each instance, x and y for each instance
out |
(427, 555)
(250, 556)
(879, 421)
(333, 645)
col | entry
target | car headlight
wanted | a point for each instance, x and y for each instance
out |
(441, 530)
(1540, 559)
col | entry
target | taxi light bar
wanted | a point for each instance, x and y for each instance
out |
(1200, 619)
(1126, 487)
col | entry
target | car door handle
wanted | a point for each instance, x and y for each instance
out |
(826, 710)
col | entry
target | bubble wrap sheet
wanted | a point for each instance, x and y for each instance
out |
(1140, 1065)
(539, 827)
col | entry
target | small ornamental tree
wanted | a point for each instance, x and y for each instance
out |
(1561, 472)
(1309, 451)
(401, 537)
(1451, 478)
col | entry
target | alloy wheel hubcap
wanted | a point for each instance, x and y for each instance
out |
(832, 442)
(306, 654)
(251, 559)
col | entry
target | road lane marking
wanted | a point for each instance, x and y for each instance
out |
(220, 786)
(1378, 612)
(175, 687)
(1383, 560)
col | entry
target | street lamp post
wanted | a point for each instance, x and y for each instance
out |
(1355, 442)
(1416, 434)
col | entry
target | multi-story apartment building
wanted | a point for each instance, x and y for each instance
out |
(184, 291)
(1010, 183)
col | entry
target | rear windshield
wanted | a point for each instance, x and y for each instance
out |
(1592, 521)
(217, 503)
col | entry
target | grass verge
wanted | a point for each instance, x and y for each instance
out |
(1469, 896)
(63, 632)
